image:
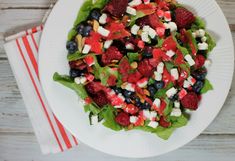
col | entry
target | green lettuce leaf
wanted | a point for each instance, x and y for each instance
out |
(211, 42)
(108, 114)
(198, 24)
(85, 9)
(75, 56)
(169, 66)
(207, 87)
(92, 107)
(68, 82)
(168, 108)
(138, 15)
(133, 57)
(72, 34)
(162, 92)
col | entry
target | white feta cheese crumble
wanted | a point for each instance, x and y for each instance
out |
(142, 84)
(157, 102)
(86, 49)
(121, 97)
(201, 33)
(202, 46)
(130, 46)
(189, 59)
(152, 33)
(172, 26)
(108, 43)
(133, 119)
(186, 84)
(153, 124)
(80, 80)
(146, 28)
(102, 31)
(191, 80)
(103, 19)
(135, 29)
(94, 120)
(170, 53)
(153, 115)
(177, 104)
(131, 11)
(204, 39)
(145, 36)
(207, 63)
(130, 87)
(176, 112)
(171, 92)
(157, 76)
(194, 34)
(146, 114)
(167, 26)
(160, 67)
(146, 1)
(118, 106)
(175, 73)
(135, 3)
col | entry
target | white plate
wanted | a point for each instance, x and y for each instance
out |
(67, 107)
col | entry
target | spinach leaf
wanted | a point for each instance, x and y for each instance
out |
(207, 87)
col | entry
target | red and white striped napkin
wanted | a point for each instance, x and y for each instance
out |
(22, 52)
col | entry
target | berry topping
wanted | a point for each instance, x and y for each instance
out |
(190, 101)
(123, 119)
(100, 98)
(184, 18)
(145, 68)
(116, 7)
(110, 55)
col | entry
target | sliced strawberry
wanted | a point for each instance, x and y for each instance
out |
(134, 77)
(131, 109)
(111, 54)
(179, 58)
(164, 123)
(117, 31)
(184, 18)
(157, 54)
(94, 41)
(166, 77)
(169, 44)
(147, 9)
(116, 7)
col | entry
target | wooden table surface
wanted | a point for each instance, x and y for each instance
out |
(17, 140)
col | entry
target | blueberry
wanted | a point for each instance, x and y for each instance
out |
(203, 52)
(174, 98)
(167, 32)
(198, 86)
(200, 74)
(180, 42)
(75, 73)
(71, 47)
(148, 52)
(117, 90)
(95, 14)
(199, 40)
(154, 41)
(128, 100)
(80, 28)
(152, 90)
(86, 31)
(159, 84)
(145, 105)
(127, 93)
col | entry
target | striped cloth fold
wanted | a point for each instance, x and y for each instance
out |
(22, 52)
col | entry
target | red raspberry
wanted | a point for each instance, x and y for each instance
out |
(145, 68)
(100, 98)
(94, 87)
(116, 7)
(134, 77)
(123, 119)
(184, 18)
(163, 122)
(190, 101)
(111, 54)
(200, 61)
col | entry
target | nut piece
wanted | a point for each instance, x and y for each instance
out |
(146, 92)
(95, 25)
(134, 65)
(79, 42)
(123, 86)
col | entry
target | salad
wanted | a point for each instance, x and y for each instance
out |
(138, 64)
